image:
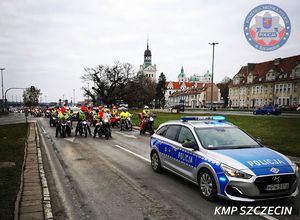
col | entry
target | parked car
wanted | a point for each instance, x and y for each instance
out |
(267, 110)
(177, 108)
(289, 107)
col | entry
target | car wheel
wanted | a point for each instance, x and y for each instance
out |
(155, 162)
(207, 185)
(254, 113)
(268, 113)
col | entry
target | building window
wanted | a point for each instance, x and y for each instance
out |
(297, 72)
(280, 88)
(284, 87)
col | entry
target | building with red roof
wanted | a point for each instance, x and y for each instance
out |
(197, 96)
(274, 82)
(185, 83)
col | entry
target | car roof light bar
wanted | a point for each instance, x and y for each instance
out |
(218, 118)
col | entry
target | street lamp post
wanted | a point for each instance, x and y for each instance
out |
(88, 93)
(2, 83)
(212, 73)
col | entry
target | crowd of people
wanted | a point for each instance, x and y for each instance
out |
(101, 118)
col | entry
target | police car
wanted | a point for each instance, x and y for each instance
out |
(222, 159)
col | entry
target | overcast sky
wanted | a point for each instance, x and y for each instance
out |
(48, 43)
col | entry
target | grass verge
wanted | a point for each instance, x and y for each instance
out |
(278, 133)
(12, 143)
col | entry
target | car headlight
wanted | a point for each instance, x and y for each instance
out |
(234, 172)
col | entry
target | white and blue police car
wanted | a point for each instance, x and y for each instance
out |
(222, 159)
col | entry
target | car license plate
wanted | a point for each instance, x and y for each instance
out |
(275, 187)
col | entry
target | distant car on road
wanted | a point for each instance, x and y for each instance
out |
(267, 110)
(289, 107)
(177, 108)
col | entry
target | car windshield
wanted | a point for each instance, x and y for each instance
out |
(224, 138)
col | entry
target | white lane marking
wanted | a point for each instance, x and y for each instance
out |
(268, 217)
(70, 139)
(127, 135)
(43, 130)
(130, 136)
(134, 154)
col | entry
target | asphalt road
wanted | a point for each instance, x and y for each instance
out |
(14, 118)
(113, 179)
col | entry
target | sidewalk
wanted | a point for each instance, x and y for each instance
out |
(33, 201)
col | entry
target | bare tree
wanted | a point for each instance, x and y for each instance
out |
(109, 81)
(140, 91)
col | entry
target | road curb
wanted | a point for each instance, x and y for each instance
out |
(33, 199)
(45, 190)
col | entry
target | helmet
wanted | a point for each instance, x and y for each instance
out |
(114, 107)
(83, 108)
(146, 107)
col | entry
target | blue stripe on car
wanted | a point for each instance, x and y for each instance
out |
(259, 160)
(190, 159)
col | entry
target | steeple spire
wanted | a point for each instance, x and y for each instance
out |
(147, 41)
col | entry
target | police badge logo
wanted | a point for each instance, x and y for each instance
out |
(267, 27)
(274, 170)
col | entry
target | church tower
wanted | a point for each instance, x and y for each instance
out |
(182, 77)
(147, 56)
(147, 68)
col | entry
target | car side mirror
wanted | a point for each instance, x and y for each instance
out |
(191, 144)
